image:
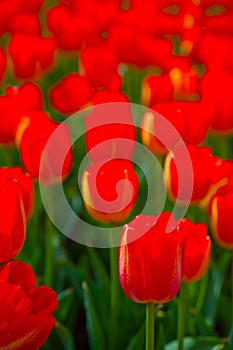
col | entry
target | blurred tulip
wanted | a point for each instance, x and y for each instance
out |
(105, 96)
(157, 88)
(110, 131)
(17, 102)
(70, 29)
(26, 23)
(150, 265)
(17, 176)
(71, 94)
(221, 211)
(28, 52)
(190, 120)
(202, 161)
(216, 94)
(99, 65)
(196, 247)
(109, 190)
(135, 47)
(34, 131)
(12, 220)
(26, 318)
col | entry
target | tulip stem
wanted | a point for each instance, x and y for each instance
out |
(181, 316)
(150, 321)
(49, 249)
(48, 255)
(114, 301)
(231, 290)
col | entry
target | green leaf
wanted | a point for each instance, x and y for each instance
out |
(138, 341)
(65, 337)
(95, 332)
(208, 343)
(65, 299)
(217, 276)
(99, 270)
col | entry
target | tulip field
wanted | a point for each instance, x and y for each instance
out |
(116, 175)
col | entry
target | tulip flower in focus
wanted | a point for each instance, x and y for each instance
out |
(220, 213)
(196, 247)
(26, 318)
(109, 190)
(150, 266)
(33, 133)
(24, 181)
(12, 220)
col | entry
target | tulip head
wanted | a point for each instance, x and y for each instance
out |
(150, 266)
(110, 190)
(196, 247)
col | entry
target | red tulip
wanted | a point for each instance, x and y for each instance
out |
(189, 118)
(196, 247)
(28, 52)
(99, 65)
(221, 211)
(110, 190)
(202, 162)
(12, 220)
(17, 176)
(17, 102)
(70, 29)
(157, 88)
(150, 265)
(26, 23)
(33, 133)
(220, 47)
(105, 96)
(72, 93)
(217, 95)
(110, 132)
(26, 318)
(141, 49)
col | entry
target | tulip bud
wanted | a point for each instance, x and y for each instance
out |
(110, 131)
(12, 220)
(202, 161)
(150, 265)
(99, 65)
(71, 94)
(33, 133)
(24, 181)
(109, 190)
(221, 212)
(196, 247)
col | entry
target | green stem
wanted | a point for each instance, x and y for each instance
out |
(181, 317)
(202, 293)
(49, 254)
(49, 248)
(114, 301)
(150, 321)
(231, 290)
